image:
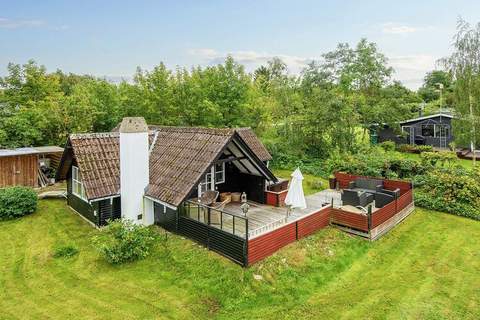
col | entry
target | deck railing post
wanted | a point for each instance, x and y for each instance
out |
(221, 220)
(208, 216)
(246, 229)
(233, 225)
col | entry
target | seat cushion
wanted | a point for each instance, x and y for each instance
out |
(370, 184)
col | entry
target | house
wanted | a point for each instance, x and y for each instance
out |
(28, 166)
(434, 130)
(159, 168)
(213, 186)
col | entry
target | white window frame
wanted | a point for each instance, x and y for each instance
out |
(222, 172)
(77, 184)
(205, 185)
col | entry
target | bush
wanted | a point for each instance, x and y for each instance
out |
(16, 202)
(421, 149)
(456, 191)
(442, 159)
(388, 145)
(67, 251)
(316, 184)
(406, 148)
(122, 241)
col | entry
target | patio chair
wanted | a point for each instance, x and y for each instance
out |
(208, 197)
(382, 199)
(366, 183)
(215, 214)
(356, 198)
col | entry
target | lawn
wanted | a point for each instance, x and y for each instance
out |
(425, 268)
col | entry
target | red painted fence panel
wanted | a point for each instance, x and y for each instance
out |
(265, 245)
(314, 222)
(383, 214)
(350, 219)
(405, 200)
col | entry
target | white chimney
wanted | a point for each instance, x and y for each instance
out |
(134, 171)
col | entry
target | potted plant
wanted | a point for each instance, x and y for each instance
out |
(332, 181)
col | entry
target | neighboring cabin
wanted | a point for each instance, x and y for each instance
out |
(433, 130)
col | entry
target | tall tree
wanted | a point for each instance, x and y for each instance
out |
(464, 65)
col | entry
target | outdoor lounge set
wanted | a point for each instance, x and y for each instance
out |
(363, 192)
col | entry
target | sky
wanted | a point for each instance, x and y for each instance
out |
(112, 38)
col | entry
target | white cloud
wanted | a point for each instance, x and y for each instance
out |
(15, 24)
(411, 69)
(250, 59)
(401, 29)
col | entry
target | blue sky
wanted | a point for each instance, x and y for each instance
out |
(112, 38)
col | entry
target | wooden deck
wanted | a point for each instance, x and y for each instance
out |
(264, 218)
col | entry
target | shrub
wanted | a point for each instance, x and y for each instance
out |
(316, 184)
(442, 159)
(16, 202)
(424, 148)
(453, 190)
(388, 145)
(406, 148)
(122, 241)
(67, 251)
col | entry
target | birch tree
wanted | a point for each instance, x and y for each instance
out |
(464, 65)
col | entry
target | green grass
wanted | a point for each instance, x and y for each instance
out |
(426, 268)
(311, 184)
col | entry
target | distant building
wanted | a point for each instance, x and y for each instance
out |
(434, 130)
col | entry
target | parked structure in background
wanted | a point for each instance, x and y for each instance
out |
(434, 130)
(30, 167)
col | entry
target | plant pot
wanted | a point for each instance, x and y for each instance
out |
(332, 182)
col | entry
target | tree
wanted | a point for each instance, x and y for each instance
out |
(464, 65)
(430, 88)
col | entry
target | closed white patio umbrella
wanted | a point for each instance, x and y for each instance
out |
(295, 197)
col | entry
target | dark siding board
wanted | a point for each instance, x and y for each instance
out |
(109, 210)
(193, 229)
(228, 245)
(167, 219)
(79, 205)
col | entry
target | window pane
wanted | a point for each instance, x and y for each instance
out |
(427, 130)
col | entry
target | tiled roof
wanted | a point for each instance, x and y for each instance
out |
(254, 143)
(178, 160)
(98, 157)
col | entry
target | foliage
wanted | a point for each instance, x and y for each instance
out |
(123, 241)
(16, 202)
(414, 148)
(456, 191)
(388, 145)
(464, 65)
(67, 251)
(444, 158)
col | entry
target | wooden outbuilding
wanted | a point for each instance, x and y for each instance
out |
(28, 166)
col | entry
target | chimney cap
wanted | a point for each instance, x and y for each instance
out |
(133, 124)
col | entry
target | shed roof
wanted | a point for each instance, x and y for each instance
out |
(29, 150)
(446, 115)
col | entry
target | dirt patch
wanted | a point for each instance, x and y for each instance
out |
(212, 305)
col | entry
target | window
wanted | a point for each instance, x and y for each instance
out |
(442, 131)
(220, 173)
(205, 184)
(77, 185)
(406, 129)
(428, 130)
